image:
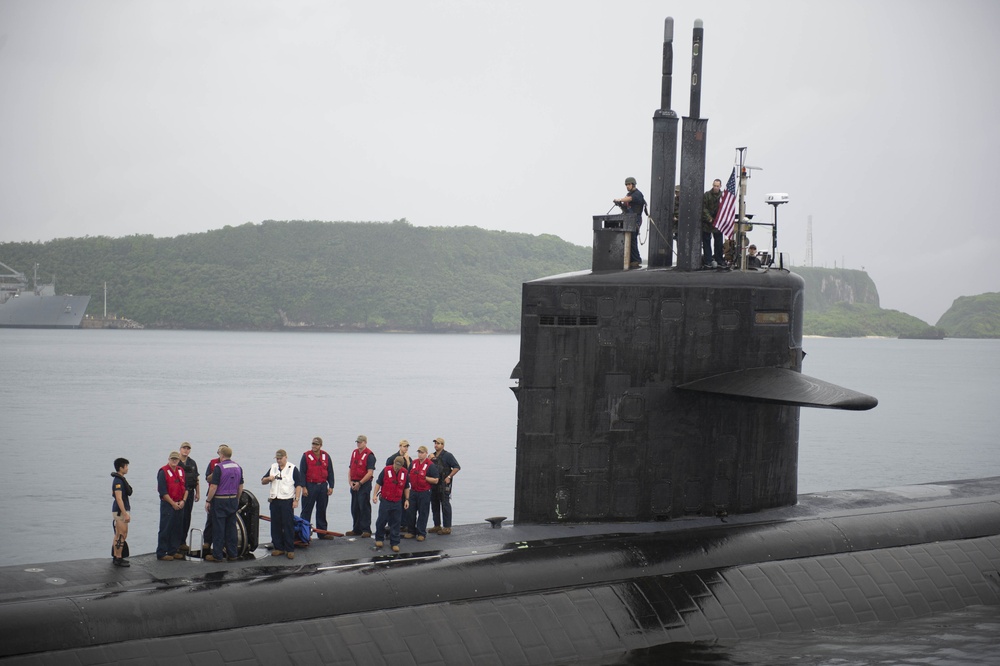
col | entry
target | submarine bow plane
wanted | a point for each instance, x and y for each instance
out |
(655, 497)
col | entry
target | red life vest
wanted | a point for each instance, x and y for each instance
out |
(393, 484)
(316, 467)
(418, 475)
(175, 482)
(208, 472)
(359, 463)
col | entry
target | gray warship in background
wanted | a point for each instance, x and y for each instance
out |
(37, 306)
(655, 500)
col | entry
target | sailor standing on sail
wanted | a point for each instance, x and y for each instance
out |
(709, 211)
(632, 204)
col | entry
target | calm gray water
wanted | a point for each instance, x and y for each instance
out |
(73, 401)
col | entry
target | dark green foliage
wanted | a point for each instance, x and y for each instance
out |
(388, 276)
(843, 303)
(855, 320)
(973, 317)
(328, 275)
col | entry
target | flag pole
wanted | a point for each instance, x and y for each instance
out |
(742, 210)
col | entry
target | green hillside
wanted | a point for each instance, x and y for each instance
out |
(331, 275)
(368, 276)
(844, 303)
(855, 320)
(973, 317)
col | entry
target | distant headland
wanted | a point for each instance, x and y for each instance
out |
(393, 276)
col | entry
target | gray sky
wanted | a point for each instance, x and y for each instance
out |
(122, 117)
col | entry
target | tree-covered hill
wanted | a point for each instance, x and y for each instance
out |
(844, 303)
(973, 317)
(337, 275)
(371, 276)
(855, 320)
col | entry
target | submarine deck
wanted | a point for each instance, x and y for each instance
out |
(340, 583)
(57, 579)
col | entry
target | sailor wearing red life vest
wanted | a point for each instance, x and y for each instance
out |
(318, 468)
(361, 471)
(423, 475)
(206, 534)
(171, 487)
(393, 485)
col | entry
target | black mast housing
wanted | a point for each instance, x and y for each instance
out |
(663, 173)
(651, 394)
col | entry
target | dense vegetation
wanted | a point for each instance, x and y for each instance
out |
(389, 276)
(844, 303)
(973, 317)
(855, 320)
(339, 275)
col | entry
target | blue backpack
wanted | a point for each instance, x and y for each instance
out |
(303, 531)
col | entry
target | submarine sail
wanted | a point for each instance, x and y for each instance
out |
(646, 395)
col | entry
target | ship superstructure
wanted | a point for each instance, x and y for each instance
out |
(37, 306)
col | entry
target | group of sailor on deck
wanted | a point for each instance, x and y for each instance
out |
(407, 491)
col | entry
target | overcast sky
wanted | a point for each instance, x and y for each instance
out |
(122, 117)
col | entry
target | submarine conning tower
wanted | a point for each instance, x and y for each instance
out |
(651, 394)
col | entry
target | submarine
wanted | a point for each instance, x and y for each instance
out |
(655, 498)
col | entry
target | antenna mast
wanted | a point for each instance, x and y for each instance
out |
(809, 242)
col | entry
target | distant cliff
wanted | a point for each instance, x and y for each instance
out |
(844, 303)
(973, 317)
(828, 287)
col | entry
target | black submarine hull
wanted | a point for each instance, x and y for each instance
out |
(529, 594)
(667, 396)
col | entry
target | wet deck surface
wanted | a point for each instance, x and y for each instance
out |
(532, 594)
(94, 576)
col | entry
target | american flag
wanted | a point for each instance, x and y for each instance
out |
(725, 218)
